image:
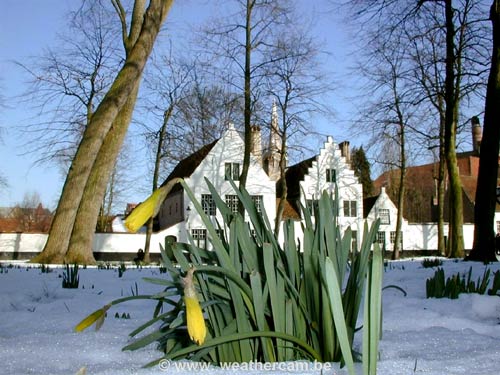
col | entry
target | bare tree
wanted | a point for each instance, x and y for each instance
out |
(457, 44)
(167, 83)
(241, 41)
(68, 82)
(70, 238)
(30, 215)
(296, 84)
(389, 114)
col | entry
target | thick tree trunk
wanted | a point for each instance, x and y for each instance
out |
(484, 210)
(95, 133)
(82, 237)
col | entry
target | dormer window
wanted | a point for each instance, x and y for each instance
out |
(384, 215)
(232, 171)
(331, 175)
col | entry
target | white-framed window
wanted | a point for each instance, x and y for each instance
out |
(232, 171)
(257, 201)
(331, 175)
(199, 237)
(393, 238)
(354, 241)
(384, 216)
(350, 208)
(380, 238)
(232, 202)
(208, 204)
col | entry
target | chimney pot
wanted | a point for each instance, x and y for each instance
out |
(345, 151)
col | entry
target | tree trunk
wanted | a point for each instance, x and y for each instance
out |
(96, 131)
(455, 237)
(247, 94)
(441, 190)
(81, 242)
(485, 205)
(401, 196)
(284, 187)
(156, 173)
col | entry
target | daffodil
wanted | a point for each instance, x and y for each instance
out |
(96, 317)
(197, 329)
(149, 208)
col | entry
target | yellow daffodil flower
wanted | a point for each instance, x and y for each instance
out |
(149, 208)
(197, 329)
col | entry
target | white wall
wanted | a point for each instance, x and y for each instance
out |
(415, 237)
(425, 236)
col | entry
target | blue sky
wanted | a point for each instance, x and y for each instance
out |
(28, 27)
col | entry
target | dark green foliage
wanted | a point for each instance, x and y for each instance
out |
(121, 269)
(361, 167)
(432, 262)
(71, 279)
(45, 268)
(265, 301)
(437, 287)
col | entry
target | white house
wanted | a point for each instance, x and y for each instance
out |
(222, 161)
(329, 171)
(381, 207)
(218, 162)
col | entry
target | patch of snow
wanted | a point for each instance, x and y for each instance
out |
(428, 336)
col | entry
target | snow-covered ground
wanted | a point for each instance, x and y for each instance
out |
(423, 336)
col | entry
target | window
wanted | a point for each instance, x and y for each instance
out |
(232, 171)
(208, 204)
(232, 202)
(393, 238)
(350, 209)
(354, 241)
(312, 205)
(381, 238)
(331, 175)
(257, 201)
(199, 237)
(384, 216)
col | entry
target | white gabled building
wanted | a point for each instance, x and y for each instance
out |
(329, 171)
(218, 162)
(381, 207)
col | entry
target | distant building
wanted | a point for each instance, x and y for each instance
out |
(30, 220)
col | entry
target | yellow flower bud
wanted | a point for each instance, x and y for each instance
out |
(149, 208)
(197, 329)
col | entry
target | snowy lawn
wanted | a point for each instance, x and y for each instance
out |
(423, 336)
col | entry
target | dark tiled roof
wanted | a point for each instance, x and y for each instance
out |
(368, 204)
(188, 165)
(293, 175)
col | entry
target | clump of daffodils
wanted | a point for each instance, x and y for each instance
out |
(149, 208)
(197, 329)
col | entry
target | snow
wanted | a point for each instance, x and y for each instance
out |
(427, 336)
